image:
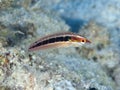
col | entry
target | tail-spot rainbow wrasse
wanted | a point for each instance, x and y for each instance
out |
(58, 40)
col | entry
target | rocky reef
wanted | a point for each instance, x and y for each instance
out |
(94, 66)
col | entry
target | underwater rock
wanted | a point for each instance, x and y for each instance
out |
(51, 69)
(86, 10)
(64, 85)
(13, 34)
(116, 76)
(18, 23)
(42, 71)
(4, 4)
(100, 46)
(104, 47)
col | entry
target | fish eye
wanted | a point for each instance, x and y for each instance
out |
(83, 40)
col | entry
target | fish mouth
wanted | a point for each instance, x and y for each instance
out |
(88, 41)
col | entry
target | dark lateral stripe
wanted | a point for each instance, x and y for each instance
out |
(59, 39)
(67, 38)
(44, 42)
(52, 40)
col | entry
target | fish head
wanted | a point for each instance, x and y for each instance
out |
(80, 39)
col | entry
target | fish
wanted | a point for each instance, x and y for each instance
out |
(63, 39)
